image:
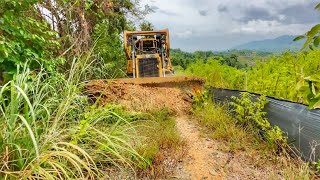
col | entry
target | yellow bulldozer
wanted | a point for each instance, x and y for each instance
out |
(149, 64)
(148, 61)
(148, 53)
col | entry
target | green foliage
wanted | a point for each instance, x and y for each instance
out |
(218, 75)
(234, 58)
(249, 113)
(50, 131)
(285, 76)
(24, 37)
(313, 92)
(52, 33)
(291, 76)
(110, 60)
(200, 97)
(221, 124)
(181, 58)
(146, 26)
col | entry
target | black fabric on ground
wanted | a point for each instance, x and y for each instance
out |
(300, 123)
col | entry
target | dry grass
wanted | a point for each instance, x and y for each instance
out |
(220, 125)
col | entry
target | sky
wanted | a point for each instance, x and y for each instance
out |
(222, 24)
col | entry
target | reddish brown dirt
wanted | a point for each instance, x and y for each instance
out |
(162, 81)
(139, 98)
(199, 164)
(204, 158)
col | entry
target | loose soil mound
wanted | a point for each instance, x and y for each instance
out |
(138, 97)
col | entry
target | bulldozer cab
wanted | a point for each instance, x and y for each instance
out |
(147, 53)
(148, 46)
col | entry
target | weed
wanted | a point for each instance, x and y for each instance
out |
(161, 141)
(249, 113)
(221, 125)
(240, 131)
(50, 131)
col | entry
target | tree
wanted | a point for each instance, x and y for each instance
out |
(75, 20)
(52, 32)
(24, 36)
(146, 26)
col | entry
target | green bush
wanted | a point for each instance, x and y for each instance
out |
(221, 125)
(24, 38)
(249, 113)
(218, 75)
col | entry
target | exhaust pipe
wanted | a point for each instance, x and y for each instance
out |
(133, 57)
(162, 57)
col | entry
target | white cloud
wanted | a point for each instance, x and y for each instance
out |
(257, 27)
(221, 24)
(185, 34)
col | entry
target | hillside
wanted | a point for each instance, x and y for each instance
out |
(278, 44)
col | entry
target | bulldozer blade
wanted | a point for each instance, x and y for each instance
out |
(188, 83)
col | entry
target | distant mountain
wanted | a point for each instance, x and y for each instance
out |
(278, 44)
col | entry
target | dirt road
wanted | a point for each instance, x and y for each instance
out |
(199, 162)
(205, 158)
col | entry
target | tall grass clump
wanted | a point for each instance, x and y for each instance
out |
(241, 121)
(221, 125)
(161, 141)
(49, 130)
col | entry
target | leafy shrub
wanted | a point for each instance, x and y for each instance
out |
(200, 97)
(249, 112)
(311, 87)
(24, 38)
(221, 125)
(218, 75)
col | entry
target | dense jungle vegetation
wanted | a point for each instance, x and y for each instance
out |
(234, 58)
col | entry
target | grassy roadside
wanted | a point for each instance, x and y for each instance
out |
(154, 138)
(220, 125)
(50, 130)
(237, 138)
(162, 145)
